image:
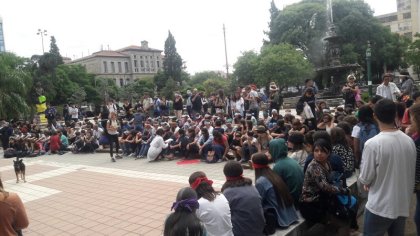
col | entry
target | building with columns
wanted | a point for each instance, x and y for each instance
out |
(124, 65)
(406, 21)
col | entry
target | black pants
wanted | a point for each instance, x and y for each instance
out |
(113, 138)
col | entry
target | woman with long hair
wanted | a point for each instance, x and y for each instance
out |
(13, 216)
(415, 126)
(298, 151)
(317, 188)
(244, 201)
(275, 195)
(364, 130)
(343, 150)
(214, 211)
(112, 127)
(184, 220)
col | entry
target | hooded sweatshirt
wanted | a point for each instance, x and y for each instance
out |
(287, 168)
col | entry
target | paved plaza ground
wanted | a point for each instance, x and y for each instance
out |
(87, 194)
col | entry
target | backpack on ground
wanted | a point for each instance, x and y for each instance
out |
(367, 131)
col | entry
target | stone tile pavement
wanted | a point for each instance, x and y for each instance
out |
(87, 194)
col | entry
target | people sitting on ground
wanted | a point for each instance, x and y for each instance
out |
(298, 151)
(214, 211)
(184, 220)
(277, 202)
(244, 201)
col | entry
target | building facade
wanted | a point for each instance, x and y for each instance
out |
(405, 21)
(124, 65)
(2, 44)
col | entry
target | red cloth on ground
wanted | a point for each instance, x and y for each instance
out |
(55, 143)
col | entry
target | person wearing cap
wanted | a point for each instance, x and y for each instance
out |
(350, 92)
(275, 98)
(244, 201)
(388, 89)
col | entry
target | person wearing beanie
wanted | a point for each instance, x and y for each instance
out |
(244, 201)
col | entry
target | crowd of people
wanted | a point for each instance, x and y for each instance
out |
(301, 162)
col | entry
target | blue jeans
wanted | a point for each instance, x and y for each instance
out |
(375, 225)
(218, 151)
(143, 150)
(417, 213)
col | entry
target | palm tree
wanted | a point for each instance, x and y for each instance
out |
(15, 82)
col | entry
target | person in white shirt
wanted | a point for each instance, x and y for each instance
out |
(387, 173)
(388, 89)
(74, 112)
(214, 210)
(157, 145)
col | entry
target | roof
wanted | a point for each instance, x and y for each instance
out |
(109, 54)
(138, 48)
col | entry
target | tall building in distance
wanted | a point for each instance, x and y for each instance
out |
(124, 65)
(406, 21)
(2, 45)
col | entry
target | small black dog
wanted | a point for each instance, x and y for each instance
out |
(19, 169)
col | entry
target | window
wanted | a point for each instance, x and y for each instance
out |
(119, 67)
(147, 63)
(158, 64)
(127, 81)
(126, 67)
(388, 19)
(134, 56)
(141, 57)
(136, 69)
(135, 64)
(407, 15)
(121, 82)
(112, 67)
(141, 64)
(151, 57)
(105, 67)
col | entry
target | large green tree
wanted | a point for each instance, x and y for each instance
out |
(282, 63)
(304, 25)
(15, 82)
(412, 55)
(172, 63)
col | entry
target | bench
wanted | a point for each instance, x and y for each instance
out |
(302, 226)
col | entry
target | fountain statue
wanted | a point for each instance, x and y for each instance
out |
(332, 75)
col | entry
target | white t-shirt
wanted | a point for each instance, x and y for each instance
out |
(74, 112)
(388, 167)
(356, 131)
(215, 216)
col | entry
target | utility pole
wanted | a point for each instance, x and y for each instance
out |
(42, 33)
(227, 65)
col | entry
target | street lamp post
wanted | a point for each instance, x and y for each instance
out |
(42, 33)
(368, 62)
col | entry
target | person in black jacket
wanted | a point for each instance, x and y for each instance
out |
(309, 98)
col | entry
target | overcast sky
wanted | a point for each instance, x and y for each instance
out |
(82, 26)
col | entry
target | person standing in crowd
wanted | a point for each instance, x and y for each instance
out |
(415, 126)
(178, 105)
(308, 99)
(276, 199)
(214, 210)
(50, 114)
(244, 201)
(351, 92)
(388, 89)
(252, 98)
(237, 104)
(128, 108)
(148, 105)
(310, 83)
(13, 216)
(196, 103)
(407, 87)
(184, 220)
(287, 168)
(275, 98)
(387, 172)
(112, 127)
(74, 112)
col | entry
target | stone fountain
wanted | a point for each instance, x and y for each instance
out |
(332, 75)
